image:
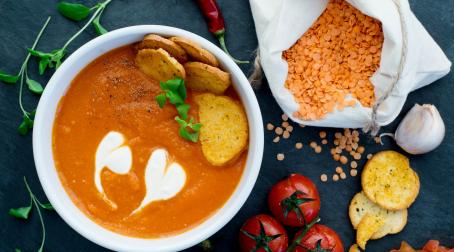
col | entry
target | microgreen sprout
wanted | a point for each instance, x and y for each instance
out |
(75, 12)
(175, 93)
(33, 86)
(24, 212)
(78, 12)
(188, 129)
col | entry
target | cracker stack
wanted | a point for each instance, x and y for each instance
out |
(390, 186)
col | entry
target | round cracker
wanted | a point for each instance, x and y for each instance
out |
(224, 134)
(389, 181)
(360, 205)
(195, 51)
(158, 64)
(154, 41)
(205, 78)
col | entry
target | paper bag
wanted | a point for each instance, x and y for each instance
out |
(410, 58)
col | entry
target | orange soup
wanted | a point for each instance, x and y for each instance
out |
(112, 95)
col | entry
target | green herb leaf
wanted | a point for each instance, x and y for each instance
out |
(46, 206)
(34, 86)
(195, 127)
(184, 133)
(34, 200)
(43, 65)
(73, 11)
(100, 30)
(17, 250)
(161, 99)
(21, 212)
(174, 98)
(181, 122)
(183, 110)
(172, 85)
(8, 78)
(23, 128)
(57, 56)
(39, 53)
(26, 124)
(52, 59)
(182, 90)
(28, 121)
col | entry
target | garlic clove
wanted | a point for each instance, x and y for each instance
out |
(421, 131)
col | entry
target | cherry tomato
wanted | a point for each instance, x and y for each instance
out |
(262, 233)
(431, 246)
(294, 201)
(319, 238)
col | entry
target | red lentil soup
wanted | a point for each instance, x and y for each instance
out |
(111, 94)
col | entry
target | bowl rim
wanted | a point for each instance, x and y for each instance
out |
(58, 196)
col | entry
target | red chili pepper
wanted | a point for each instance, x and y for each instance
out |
(213, 16)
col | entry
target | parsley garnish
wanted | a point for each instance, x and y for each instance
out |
(175, 93)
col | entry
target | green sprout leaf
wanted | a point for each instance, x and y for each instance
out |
(17, 250)
(100, 30)
(8, 78)
(23, 128)
(184, 133)
(183, 110)
(182, 91)
(175, 92)
(48, 60)
(195, 127)
(46, 206)
(43, 65)
(161, 99)
(73, 11)
(25, 125)
(21, 212)
(191, 134)
(172, 85)
(34, 86)
(174, 97)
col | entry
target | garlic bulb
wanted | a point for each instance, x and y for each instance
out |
(421, 130)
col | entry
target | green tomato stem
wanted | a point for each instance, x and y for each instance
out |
(303, 233)
(24, 65)
(99, 9)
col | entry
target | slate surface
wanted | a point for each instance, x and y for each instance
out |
(432, 216)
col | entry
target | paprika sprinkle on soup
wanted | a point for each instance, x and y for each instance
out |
(333, 59)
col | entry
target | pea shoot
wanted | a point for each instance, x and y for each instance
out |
(24, 212)
(175, 93)
(33, 86)
(79, 12)
(53, 59)
(74, 12)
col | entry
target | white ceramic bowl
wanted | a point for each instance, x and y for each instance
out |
(42, 144)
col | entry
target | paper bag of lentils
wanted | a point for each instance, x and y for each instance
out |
(344, 63)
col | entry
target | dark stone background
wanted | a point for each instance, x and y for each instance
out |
(432, 216)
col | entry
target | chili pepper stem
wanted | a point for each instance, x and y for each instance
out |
(224, 48)
(303, 233)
